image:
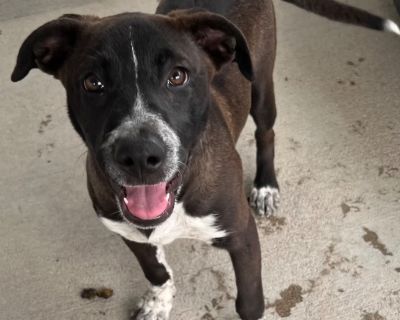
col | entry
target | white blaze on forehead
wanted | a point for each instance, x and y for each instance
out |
(134, 57)
(139, 103)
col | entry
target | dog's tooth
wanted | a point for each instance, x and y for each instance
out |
(126, 201)
(167, 196)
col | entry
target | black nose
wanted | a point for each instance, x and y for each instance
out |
(140, 155)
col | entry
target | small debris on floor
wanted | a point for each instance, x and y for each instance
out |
(91, 293)
(105, 293)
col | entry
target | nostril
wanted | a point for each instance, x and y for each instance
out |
(124, 159)
(153, 161)
(127, 161)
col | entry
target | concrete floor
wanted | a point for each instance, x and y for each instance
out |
(333, 251)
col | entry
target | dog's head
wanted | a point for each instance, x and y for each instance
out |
(138, 93)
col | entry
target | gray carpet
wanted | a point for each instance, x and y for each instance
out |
(332, 252)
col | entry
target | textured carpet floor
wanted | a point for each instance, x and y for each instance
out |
(332, 252)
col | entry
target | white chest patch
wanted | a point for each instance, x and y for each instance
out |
(178, 226)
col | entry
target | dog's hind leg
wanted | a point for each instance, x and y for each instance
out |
(156, 304)
(264, 197)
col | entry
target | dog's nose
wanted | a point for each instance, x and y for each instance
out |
(140, 155)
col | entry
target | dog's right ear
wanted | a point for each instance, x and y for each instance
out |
(217, 36)
(48, 47)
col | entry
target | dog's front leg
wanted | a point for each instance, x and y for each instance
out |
(244, 250)
(156, 304)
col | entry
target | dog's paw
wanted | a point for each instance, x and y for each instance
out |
(265, 200)
(156, 304)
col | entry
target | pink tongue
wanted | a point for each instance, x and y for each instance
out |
(147, 202)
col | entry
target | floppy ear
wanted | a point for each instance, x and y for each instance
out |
(219, 37)
(48, 47)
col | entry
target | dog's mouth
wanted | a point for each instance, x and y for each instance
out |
(148, 205)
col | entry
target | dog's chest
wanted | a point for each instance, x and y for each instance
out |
(178, 226)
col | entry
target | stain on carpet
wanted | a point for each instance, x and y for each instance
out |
(219, 301)
(251, 142)
(359, 126)
(294, 144)
(207, 316)
(44, 123)
(271, 224)
(372, 316)
(290, 297)
(333, 261)
(352, 205)
(373, 240)
(336, 262)
(388, 171)
(345, 209)
(222, 287)
(304, 179)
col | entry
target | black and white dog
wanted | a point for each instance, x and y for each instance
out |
(159, 101)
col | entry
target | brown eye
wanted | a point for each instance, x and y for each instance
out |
(177, 77)
(93, 84)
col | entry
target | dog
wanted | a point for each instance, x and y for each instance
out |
(159, 101)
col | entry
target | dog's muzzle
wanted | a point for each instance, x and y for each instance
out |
(143, 162)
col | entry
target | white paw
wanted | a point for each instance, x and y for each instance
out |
(265, 200)
(156, 304)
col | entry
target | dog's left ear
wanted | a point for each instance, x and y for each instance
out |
(219, 37)
(49, 46)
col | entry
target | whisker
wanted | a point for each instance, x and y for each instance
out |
(113, 213)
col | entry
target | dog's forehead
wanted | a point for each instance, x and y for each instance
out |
(146, 31)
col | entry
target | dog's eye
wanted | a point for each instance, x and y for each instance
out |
(93, 84)
(177, 77)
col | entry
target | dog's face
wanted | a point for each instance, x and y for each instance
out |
(138, 94)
